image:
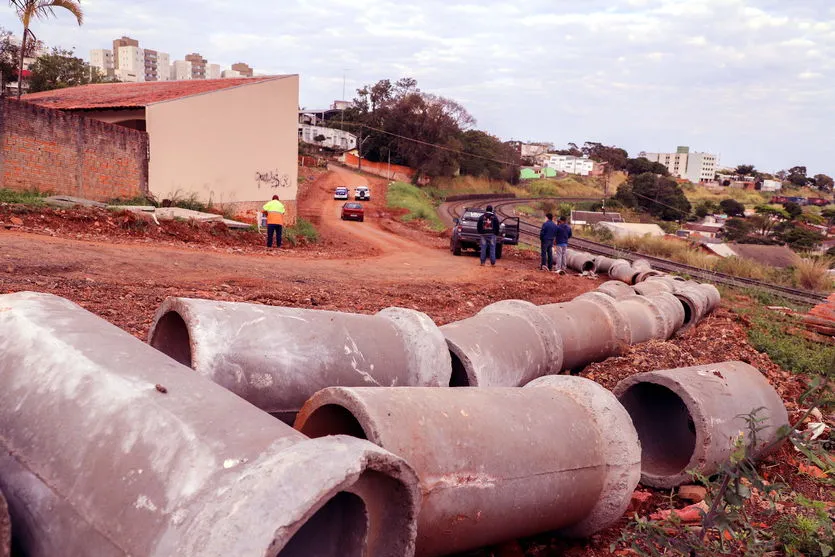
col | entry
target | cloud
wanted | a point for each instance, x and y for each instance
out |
(752, 80)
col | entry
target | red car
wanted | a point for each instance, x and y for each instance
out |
(353, 211)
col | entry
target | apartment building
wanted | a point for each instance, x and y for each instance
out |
(102, 60)
(181, 70)
(118, 43)
(213, 71)
(332, 138)
(243, 69)
(583, 166)
(157, 66)
(696, 167)
(198, 65)
(230, 74)
(131, 64)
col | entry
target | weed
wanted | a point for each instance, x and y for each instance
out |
(810, 533)
(301, 232)
(768, 333)
(813, 274)
(415, 201)
(190, 201)
(139, 200)
(27, 197)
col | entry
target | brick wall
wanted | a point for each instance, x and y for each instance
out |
(65, 153)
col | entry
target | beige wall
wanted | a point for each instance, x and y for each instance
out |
(230, 146)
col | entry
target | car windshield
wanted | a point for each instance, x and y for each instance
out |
(353, 206)
(471, 215)
(341, 190)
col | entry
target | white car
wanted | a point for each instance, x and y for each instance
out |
(362, 193)
(340, 193)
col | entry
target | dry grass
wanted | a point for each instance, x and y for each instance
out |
(749, 198)
(459, 185)
(813, 274)
(564, 187)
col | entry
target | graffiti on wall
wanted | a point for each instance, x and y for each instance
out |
(273, 179)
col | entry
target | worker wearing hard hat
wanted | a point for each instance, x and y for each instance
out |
(274, 210)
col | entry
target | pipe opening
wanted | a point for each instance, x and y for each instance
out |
(459, 377)
(332, 419)
(340, 528)
(588, 265)
(689, 311)
(171, 337)
(665, 428)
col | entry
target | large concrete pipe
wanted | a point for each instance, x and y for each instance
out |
(110, 448)
(602, 264)
(689, 418)
(591, 327)
(622, 270)
(616, 289)
(641, 265)
(506, 344)
(277, 357)
(551, 458)
(579, 261)
(648, 287)
(5, 528)
(695, 301)
(656, 316)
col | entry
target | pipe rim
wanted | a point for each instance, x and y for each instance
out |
(432, 367)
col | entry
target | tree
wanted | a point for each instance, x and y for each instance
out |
(659, 196)
(732, 207)
(615, 157)
(743, 170)
(60, 69)
(736, 229)
(793, 209)
(766, 218)
(823, 182)
(829, 214)
(705, 208)
(10, 55)
(487, 156)
(642, 165)
(799, 238)
(797, 176)
(39, 9)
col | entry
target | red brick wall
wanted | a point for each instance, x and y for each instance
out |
(65, 153)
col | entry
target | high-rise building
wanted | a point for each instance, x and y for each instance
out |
(229, 74)
(181, 70)
(131, 66)
(213, 71)
(243, 69)
(163, 66)
(102, 60)
(198, 65)
(118, 43)
(696, 167)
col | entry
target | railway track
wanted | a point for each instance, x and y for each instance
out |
(531, 231)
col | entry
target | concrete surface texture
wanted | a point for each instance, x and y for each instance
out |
(496, 464)
(690, 418)
(110, 448)
(278, 357)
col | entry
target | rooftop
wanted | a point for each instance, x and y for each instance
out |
(134, 95)
(593, 217)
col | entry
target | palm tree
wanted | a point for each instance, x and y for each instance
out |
(39, 9)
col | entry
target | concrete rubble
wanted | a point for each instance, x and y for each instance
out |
(173, 213)
(690, 418)
(475, 463)
(278, 357)
(110, 448)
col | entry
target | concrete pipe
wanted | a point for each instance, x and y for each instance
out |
(545, 461)
(5, 528)
(689, 418)
(644, 275)
(641, 265)
(579, 261)
(695, 302)
(647, 287)
(591, 328)
(621, 270)
(277, 357)
(506, 344)
(713, 296)
(602, 264)
(110, 448)
(616, 289)
(657, 316)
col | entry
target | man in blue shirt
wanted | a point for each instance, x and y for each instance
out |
(562, 236)
(547, 236)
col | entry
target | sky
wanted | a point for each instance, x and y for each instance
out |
(750, 80)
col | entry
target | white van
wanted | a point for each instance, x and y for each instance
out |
(362, 193)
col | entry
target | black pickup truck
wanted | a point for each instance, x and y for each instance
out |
(465, 232)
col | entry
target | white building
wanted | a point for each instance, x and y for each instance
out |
(333, 138)
(696, 167)
(131, 64)
(102, 60)
(227, 74)
(570, 164)
(213, 71)
(772, 185)
(163, 66)
(180, 70)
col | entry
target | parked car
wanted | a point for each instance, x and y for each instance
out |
(362, 193)
(340, 193)
(353, 211)
(465, 232)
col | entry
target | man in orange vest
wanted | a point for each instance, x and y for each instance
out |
(274, 210)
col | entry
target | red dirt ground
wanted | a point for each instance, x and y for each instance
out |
(122, 268)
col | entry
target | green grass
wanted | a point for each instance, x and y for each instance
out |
(416, 202)
(750, 198)
(303, 230)
(139, 200)
(564, 187)
(28, 197)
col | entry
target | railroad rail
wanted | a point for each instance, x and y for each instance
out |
(530, 230)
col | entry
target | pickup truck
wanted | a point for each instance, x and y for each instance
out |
(465, 232)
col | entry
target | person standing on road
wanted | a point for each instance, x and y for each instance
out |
(274, 210)
(562, 236)
(488, 227)
(547, 236)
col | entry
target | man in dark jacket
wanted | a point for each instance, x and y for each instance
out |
(563, 234)
(488, 227)
(547, 235)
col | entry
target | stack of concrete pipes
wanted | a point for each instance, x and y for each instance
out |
(108, 447)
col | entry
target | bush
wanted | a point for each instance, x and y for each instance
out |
(28, 197)
(416, 202)
(302, 231)
(813, 274)
(191, 202)
(732, 207)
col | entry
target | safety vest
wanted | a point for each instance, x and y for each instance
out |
(275, 212)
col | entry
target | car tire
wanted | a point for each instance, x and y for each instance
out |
(456, 247)
(499, 251)
(362, 219)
